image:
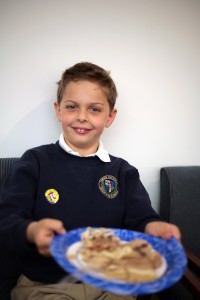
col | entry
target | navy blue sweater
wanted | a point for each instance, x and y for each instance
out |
(47, 182)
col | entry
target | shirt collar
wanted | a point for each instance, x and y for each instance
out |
(102, 153)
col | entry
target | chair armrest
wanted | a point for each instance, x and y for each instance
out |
(192, 257)
(192, 282)
(191, 278)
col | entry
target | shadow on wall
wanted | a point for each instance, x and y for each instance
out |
(38, 127)
(153, 189)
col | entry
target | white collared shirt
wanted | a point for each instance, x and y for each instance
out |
(102, 153)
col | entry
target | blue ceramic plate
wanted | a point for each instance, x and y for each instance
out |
(171, 250)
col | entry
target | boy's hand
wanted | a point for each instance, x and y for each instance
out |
(41, 233)
(163, 229)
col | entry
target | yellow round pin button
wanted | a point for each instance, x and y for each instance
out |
(52, 196)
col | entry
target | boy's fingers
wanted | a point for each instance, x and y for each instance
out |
(163, 229)
(55, 225)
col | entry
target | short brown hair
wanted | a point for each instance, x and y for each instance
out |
(90, 72)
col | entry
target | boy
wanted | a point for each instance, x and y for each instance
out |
(73, 183)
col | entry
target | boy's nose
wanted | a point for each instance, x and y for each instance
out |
(82, 116)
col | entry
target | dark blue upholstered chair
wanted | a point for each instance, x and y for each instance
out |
(180, 205)
(9, 269)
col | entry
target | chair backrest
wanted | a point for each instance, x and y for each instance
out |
(6, 165)
(9, 269)
(180, 202)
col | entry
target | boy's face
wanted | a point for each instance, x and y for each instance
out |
(84, 113)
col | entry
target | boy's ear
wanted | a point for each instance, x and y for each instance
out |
(57, 110)
(111, 117)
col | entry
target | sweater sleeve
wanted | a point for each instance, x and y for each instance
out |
(138, 210)
(17, 202)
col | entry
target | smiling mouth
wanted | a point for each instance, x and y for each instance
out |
(81, 130)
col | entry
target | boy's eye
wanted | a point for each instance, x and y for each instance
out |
(95, 109)
(71, 107)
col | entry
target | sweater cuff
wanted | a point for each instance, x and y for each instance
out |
(22, 245)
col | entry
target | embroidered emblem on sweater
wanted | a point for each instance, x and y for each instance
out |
(108, 185)
(52, 196)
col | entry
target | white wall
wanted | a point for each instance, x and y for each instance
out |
(152, 48)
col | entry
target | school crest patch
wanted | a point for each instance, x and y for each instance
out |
(108, 185)
(52, 196)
